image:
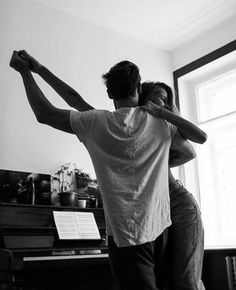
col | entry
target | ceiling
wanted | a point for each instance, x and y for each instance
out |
(165, 24)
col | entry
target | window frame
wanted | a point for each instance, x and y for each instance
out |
(207, 59)
(230, 47)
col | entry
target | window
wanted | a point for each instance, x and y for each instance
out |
(216, 97)
(207, 97)
(216, 110)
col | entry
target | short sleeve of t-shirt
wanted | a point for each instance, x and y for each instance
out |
(81, 123)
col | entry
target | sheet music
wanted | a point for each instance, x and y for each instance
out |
(76, 225)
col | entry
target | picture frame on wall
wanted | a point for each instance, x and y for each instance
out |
(25, 187)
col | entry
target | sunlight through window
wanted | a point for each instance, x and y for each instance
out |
(216, 106)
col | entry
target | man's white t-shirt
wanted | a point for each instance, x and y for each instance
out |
(129, 149)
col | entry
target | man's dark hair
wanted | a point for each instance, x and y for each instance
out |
(122, 80)
(147, 88)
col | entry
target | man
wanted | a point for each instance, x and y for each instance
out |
(129, 149)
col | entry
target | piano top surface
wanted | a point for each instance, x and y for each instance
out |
(39, 215)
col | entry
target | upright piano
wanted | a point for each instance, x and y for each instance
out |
(33, 257)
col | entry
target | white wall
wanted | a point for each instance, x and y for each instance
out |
(205, 43)
(79, 52)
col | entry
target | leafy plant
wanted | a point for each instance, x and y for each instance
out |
(82, 178)
(64, 177)
(70, 176)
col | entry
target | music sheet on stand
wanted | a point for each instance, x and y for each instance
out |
(76, 225)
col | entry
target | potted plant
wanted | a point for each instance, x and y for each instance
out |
(64, 177)
(82, 181)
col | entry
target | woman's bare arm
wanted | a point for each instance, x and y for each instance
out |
(186, 128)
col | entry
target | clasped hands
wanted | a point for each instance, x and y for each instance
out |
(21, 61)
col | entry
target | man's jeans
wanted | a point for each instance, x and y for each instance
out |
(185, 246)
(133, 266)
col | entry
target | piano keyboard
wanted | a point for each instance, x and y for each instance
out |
(68, 257)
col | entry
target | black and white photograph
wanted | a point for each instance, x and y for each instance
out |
(118, 145)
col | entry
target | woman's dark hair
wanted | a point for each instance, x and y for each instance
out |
(122, 80)
(148, 88)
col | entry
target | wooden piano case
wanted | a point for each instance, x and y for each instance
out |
(33, 257)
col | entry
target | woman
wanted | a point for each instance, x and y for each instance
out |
(185, 237)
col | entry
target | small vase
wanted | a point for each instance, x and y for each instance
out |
(93, 202)
(55, 199)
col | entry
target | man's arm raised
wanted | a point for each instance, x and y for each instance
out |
(44, 111)
(70, 96)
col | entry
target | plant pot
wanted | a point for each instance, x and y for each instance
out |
(82, 203)
(68, 198)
